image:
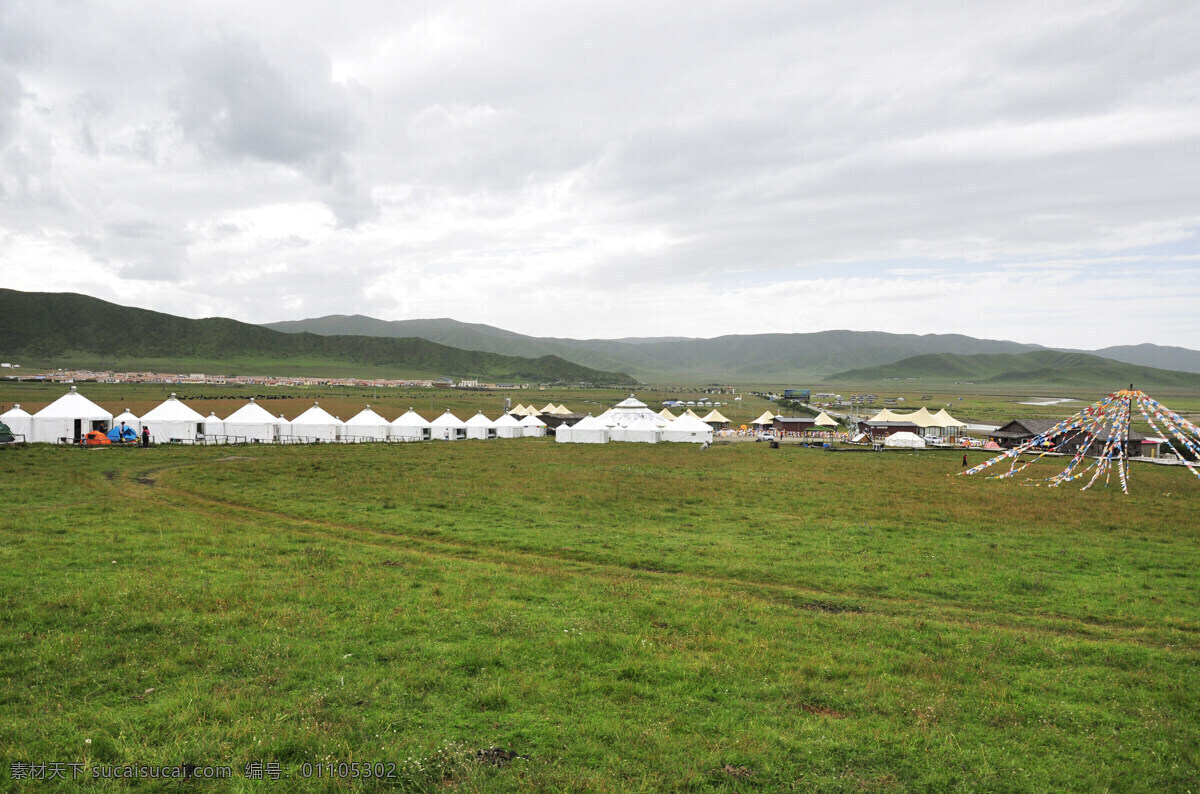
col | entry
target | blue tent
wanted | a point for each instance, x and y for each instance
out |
(116, 435)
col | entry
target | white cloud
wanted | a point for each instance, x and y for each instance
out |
(617, 169)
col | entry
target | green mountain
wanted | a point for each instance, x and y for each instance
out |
(68, 329)
(764, 358)
(1041, 367)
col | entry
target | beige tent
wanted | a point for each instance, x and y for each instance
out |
(693, 414)
(666, 414)
(531, 411)
(767, 418)
(714, 416)
(823, 420)
(887, 415)
(922, 418)
(946, 420)
(549, 409)
(561, 410)
(519, 410)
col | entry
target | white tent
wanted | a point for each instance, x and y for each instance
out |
(508, 427)
(252, 424)
(19, 421)
(409, 427)
(68, 418)
(688, 429)
(588, 430)
(129, 418)
(172, 420)
(366, 425)
(317, 424)
(904, 439)
(479, 426)
(643, 430)
(448, 427)
(214, 428)
(532, 426)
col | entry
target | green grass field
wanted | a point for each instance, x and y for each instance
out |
(625, 617)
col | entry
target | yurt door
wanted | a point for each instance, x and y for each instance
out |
(78, 429)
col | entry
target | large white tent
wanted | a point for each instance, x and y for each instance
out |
(532, 426)
(214, 428)
(410, 426)
(317, 424)
(644, 431)
(129, 419)
(252, 424)
(508, 427)
(448, 427)
(905, 440)
(68, 418)
(19, 421)
(588, 430)
(366, 425)
(688, 429)
(479, 426)
(173, 420)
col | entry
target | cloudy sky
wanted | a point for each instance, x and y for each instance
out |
(1014, 170)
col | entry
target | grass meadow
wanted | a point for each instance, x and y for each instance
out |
(521, 615)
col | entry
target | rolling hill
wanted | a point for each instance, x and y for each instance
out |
(77, 330)
(1040, 367)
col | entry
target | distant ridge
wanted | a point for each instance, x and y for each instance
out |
(83, 331)
(1041, 367)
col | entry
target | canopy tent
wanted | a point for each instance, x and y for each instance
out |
(172, 420)
(366, 425)
(714, 417)
(508, 427)
(448, 427)
(68, 418)
(532, 426)
(823, 420)
(317, 424)
(410, 426)
(252, 424)
(588, 430)
(480, 427)
(688, 429)
(887, 415)
(904, 439)
(693, 414)
(517, 410)
(767, 419)
(19, 421)
(921, 418)
(531, 411)
(666, 414)
(947, 424)
(562, 410)
(548, 409)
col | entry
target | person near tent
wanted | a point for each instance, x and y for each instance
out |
(145, 437)
(964, 460)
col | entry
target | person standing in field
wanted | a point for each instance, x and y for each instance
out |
(145, 437)
(964, 460)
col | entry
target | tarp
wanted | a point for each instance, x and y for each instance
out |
(904, 439)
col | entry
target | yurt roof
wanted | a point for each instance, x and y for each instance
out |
(410, 419)
(16, 412)
(251, 414)
(689, 423)
(366, 417)
(631, 402)
(714, 416)
(172, 410)
(479, 420)
(447, 420)
(316, 416)
(73, 405)
(767, 418)
(505, 420)
(824, 420)
(125, 416)
(532, 421)
(589, 422)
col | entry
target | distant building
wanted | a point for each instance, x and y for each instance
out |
(1021, 431)
(794, 424)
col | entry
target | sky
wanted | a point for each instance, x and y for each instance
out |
(1017, 170)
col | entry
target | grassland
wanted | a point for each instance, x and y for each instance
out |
(623, 617)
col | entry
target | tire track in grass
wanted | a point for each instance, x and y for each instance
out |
(792, 595)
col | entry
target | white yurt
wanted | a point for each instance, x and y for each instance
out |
(448, 427)
(643, 431)
(214, 428)
(19, 421)
(508, 427)
(129, 419)
(172, 420)
(588, 430)
(688, 428)
(904, 439)
(532, 426)
(366, 425)
(251, 424)
(410, 426)
(68, 418)
(316, 425)
(479, 426)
